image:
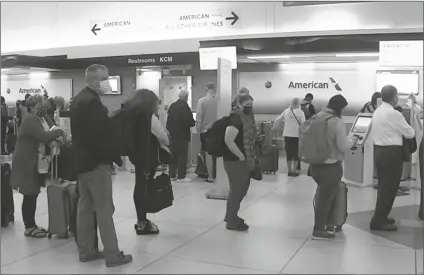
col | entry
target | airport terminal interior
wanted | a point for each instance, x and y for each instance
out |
(274, 68)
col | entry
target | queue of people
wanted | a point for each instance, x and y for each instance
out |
(93, 143)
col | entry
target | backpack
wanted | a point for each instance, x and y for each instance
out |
(313, 142)
(305, 109)
(123, 132)
(215, 138)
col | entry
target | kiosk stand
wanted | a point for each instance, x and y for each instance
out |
(359, 161)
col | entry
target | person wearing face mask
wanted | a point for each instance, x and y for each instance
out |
(388, 128)
(292, 117)
(239, 159)
(92, 142)
(27, 177)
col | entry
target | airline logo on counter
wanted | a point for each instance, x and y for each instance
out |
(315, 85)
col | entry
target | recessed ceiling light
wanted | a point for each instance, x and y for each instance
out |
(268, 57)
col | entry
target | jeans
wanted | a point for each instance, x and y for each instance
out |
(327, 177)
(179, 150)
(95, 195)
(29, 206)
(239, 179)
(389, 164)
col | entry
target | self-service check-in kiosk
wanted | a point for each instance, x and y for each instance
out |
(359, 161)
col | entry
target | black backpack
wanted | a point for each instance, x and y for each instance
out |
(215, 138)
(123, 132)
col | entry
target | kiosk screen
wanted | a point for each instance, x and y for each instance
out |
(362, 124)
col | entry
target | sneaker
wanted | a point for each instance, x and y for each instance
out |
(121, 259)
(96, 255)
(330, 228)
(323, 235)
(174, 179)
(146, 228)
(294, 174)
(184, 180)
(241, 227)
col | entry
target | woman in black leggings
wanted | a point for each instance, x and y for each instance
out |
(149, 135)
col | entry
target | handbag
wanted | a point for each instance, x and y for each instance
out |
(409, 146)
(256, 173)
(159, 193)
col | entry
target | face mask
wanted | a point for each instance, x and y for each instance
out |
(105, 86)
(247, 110)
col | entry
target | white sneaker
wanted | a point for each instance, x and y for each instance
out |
(184, 180)
(173, 179)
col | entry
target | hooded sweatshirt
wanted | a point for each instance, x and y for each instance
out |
(336, 135)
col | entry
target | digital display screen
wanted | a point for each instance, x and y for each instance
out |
(362, 124)
(115, 84)
(209, 57)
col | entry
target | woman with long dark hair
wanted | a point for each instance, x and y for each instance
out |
(328, 175)
(371, 106)
(149, 136)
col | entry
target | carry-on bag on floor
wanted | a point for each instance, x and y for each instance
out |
(265, 129)
(73, 222)
(201, 169)
(59, 199)
(7, 203)
(269, 161)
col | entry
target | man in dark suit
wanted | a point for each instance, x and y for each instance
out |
(180, 120)
(94, 151)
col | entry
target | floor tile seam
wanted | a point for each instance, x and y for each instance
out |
(294, 255)
(221, 264)
(39, 252)
(175, 249)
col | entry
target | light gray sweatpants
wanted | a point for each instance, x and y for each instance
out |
(95, 194)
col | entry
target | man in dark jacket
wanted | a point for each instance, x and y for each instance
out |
(91, 139)
(180, 120)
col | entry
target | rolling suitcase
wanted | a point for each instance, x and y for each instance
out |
(201, 169)
(60, 200)
(7, 203)
(269, 160)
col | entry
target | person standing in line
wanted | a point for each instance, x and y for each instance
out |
(149, 136)
(4, 120)
(206, 115)
(292, 117)
(329, 174)
(26, 176)
(388, 128)
(307, 107)
(93, 144)
(416, 120)
(371, 106)
(239, 160)
(179, 123)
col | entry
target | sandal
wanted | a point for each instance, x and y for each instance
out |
(146, 228)
(36, 232)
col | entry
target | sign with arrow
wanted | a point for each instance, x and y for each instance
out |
(234, 18)
(97, 27)
(206, 20)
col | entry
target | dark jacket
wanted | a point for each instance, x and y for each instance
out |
(146, 148)
(308, 108)
(91, 131)
(25, 158)
(180, 120)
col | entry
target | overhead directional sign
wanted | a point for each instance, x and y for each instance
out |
(101, 26)
(206, 20)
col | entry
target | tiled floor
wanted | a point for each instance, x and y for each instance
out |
(193, 238)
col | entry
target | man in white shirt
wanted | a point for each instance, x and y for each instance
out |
(206, 115)
(388, 129)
